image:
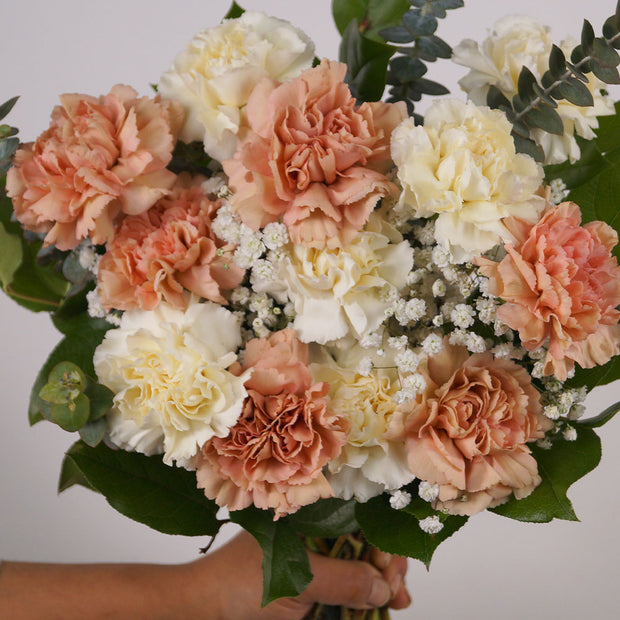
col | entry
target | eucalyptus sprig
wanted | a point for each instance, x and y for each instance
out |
(534, 105)
(406, 69)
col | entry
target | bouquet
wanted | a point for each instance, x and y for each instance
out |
(339, 320)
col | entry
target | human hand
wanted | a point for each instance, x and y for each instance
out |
(237, 569)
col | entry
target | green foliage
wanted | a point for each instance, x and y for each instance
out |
(143, 488)
(367, 63)
(559, 467)
(234, 11)
(286, 568)
(190, 158)
(372, 16)
(326, 518)
(600, 419)
(71, 475)
(533, 107)
(398, 531)
(599, 375)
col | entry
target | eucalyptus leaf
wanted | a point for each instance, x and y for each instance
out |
(326, 518)
(7, 106)
(609, 75)
(428, 87)
(73, 415)
(559, 467)
(397, 34)
(419, 24)
(399, 532)
(433, 47)
(576, 92)
(146, 490)
(557, 62)
(286, 568)
(545, 118)
(528, 146)
(605, 54)
(93, 432)
(587, 37)
(8, 147)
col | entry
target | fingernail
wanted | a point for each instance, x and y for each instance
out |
(379, 593)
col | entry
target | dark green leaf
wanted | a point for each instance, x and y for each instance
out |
(372, 15)
(600, 419)
(419, 24)
(557, 62)
(605, 54)
(286, 568)
(8, 147)
(7, 106)
(146, 490)
(608, 132)
(590, 163)
(69, 375)
(545, 118)
(92, 433)
(497, 99)
(398, 531)
(577, 73)
(576, 92)
(72, 416)
(397, 34)
(428, 87)
(367, 63)
(610, 27)
(101, 399)
(527, 146)
(234, 11)
(587, 37)
(407, 69)
(599, 375)
(327, 518)
(71, 318)
(543, 96)
(70, 475)
(525, 84)
(559, 467)
(609, 75)
(57, 394)
(10, 257)
(77, 348)
(431, 48)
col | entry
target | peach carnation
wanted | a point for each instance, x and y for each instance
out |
(99, 157)
(562, 287)
(274, 455)
(312, 157)
(467, 432)
(158, 254)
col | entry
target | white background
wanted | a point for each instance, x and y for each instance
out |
(492, 569)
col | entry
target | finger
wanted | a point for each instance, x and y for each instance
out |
(401, 600)
(348, 583)
(395, 572)
(380, 559)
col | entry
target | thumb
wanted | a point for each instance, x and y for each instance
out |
(348, 583)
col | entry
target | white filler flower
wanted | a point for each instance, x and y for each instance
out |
(168, 371)
(215, 75)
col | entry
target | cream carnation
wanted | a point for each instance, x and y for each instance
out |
(462, 166)
(215, 75)
(168, 371)
(516, 41)
(337, 291)
(370, 462)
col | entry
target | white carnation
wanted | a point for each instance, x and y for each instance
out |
(168, 371)
(462, 165)
(215, 75)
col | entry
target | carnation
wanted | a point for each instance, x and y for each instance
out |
(274, 455)
(462, 166)
(171, 248)
(336, 291)
(100, 157)
(372, 460)
(313, 158)
(168, 370)
(517, 41)
(468, 431)
(561, 285)
(215, 75)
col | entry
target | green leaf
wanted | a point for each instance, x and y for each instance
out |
(527, 146)
(428, 87)
(101, 400)
(398, 531)
(601, 418)
(407, 69)
(559, 467)
(590, 163)
(576, 92)
(372, 15)
(605, 54)
(71, 475)
(72, 416)
(608, 132)
(545, 118)
(146, 490)
(431, 48)
(367, 63)
(78, 348)
(525, 84)
(92, 433)
(419, 24)
(326, 518)
(587, 37)
(599, 375)
(7, 106)
(8, 147)
(10, 257)
(557, 61)
(234, 11)
(609, 75)
(497, 99)
(286, 568)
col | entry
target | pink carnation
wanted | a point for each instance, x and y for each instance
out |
(158, 254)
(561, 285)
(274, 455)
(312, 157)
(468, 431)
(99, 157)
